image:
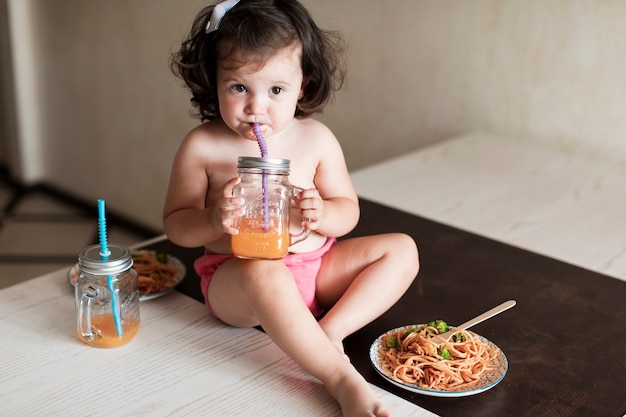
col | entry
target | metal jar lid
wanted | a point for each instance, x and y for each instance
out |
(263, 163)
(91, 262)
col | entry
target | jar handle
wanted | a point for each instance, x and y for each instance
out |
(299, 237)
(84, 313)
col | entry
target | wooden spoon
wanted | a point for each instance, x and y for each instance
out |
(478, 319)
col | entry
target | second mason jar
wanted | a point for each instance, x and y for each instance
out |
(264, 227)
(107, 297)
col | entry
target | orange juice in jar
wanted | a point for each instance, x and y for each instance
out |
(255, 240)
(267, 193)
(105, 334)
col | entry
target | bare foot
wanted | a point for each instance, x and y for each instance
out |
(354, 395)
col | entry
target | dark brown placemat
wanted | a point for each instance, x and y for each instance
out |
(563, 340)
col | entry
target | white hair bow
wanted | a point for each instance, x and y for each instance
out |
(218, 14)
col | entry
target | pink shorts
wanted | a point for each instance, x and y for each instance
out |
(303, 266)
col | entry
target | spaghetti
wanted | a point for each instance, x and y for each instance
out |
(413, 357)
(154, 275)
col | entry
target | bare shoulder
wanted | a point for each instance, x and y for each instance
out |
(206, 143)
(312, 128)
(206, 134)
(314, 136)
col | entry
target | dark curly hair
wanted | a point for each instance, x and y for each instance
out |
(256, 29)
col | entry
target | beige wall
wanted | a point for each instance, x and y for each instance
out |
(551, 71)
(109, 114)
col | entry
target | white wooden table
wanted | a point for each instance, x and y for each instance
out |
(559, 205)
(182, 362)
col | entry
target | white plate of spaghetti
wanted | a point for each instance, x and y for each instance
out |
(158, 273)
(466, 364)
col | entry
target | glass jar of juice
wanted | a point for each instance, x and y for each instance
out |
(106, 296)
(264, 227)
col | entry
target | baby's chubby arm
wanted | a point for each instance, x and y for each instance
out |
(331, 207)
(196, 227)
(332, 204)
(315, 213)
(199, 207)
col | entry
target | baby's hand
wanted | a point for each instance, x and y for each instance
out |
(229, 208)
(311, 207)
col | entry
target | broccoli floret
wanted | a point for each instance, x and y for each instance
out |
(440, 325)
(391, 342)
(161, 256)
(444, 352)
(413, 330)
(458, 337)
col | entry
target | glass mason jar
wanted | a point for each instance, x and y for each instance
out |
(264, 227)
(107, 297)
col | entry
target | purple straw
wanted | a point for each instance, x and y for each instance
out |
(263, 147)
(256, 128)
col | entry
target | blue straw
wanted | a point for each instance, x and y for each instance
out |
(104, 254)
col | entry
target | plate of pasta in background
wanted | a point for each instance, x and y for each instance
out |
(158, 273)
(466, 364)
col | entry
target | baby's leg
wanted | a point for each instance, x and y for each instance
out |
(247, 293)
(361, 278)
